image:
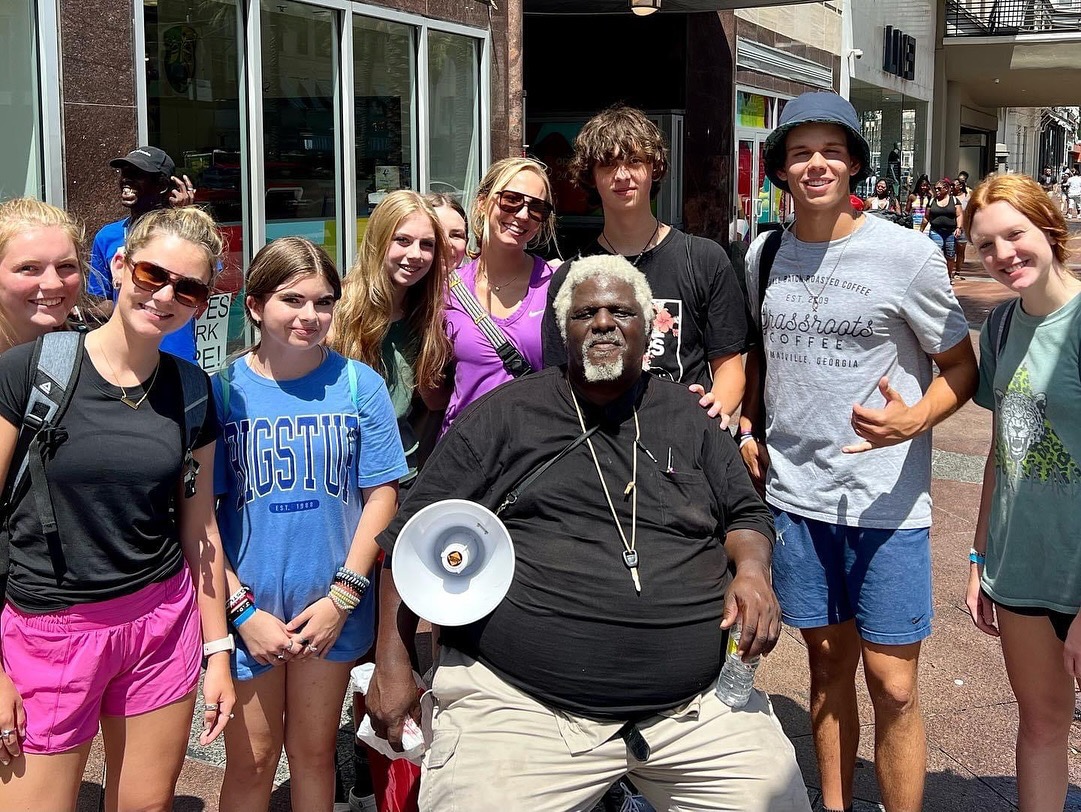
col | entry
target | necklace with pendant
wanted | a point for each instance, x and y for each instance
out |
(816, 299)
(630, 555)
(127, 401)
(642, 253)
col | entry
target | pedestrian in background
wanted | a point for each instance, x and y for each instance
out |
(1024, 582)
(961, 193)
(943, 222)
(146, 181)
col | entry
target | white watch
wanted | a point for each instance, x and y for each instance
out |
(214, 646)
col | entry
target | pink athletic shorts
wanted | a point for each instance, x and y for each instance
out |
(120, 657)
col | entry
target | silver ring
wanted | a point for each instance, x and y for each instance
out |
(232, 715)
(280, 656)
(5, 733)
(210, 706)
(313, 649)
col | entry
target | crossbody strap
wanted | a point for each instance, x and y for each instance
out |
(529, 478)
(513, 360)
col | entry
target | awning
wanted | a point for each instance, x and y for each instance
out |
(623, 6)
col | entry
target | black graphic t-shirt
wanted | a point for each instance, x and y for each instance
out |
(701, 312)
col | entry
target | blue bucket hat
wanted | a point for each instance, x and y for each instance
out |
(817, 108)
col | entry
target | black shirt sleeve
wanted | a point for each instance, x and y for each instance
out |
(726, 322)
(15, 382)
(741, 506)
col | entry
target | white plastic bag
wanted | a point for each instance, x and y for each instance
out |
(415, 738)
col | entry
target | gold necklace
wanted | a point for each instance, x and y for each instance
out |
(134, 404)
(630, 555)
(497, 288)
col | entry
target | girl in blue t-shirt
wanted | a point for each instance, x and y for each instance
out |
(308, 469)
(1024, 585)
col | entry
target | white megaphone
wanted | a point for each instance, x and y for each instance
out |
(453, 562)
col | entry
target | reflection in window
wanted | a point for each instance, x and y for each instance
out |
(384, 82)
(298, 44)
(193, 113)
(20, 122)
(454, 111)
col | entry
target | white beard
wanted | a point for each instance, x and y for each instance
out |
(599, 373)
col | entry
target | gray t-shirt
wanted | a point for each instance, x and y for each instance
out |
(884, 303)
(1033, 558)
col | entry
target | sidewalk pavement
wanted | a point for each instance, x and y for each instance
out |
(969, 708)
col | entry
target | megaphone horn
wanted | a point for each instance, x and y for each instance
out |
(453, 562)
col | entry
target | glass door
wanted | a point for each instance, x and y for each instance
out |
(759, 202)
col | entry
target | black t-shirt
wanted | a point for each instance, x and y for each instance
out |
(111, 481)
(701, 310)
(571, 631)
(943, 218)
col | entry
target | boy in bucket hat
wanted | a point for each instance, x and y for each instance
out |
(834, 429)
(146, 182)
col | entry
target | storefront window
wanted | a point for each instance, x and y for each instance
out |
(20, 120)
(752, 110)
(454, 111)
(298, 44)
(193, 113)
(384, 73)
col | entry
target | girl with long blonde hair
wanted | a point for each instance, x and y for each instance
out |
(392, 308)
(511, 214)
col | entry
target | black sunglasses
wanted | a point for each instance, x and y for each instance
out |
(152, 278)
(512, 202)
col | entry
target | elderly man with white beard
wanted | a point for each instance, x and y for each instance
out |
(601, 660)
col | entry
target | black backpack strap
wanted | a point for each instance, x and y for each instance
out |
(765, 266)
(56, 361)
(513, 360)
(193, 385)
(998, 326)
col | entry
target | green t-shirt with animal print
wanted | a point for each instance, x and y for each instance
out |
(1034, 389)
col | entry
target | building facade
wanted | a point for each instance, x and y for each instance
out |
(289, 117)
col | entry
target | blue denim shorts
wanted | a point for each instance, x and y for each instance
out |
(828, 573)
(946, 242)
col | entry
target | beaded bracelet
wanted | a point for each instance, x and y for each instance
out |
(343, 597)
(348, 576)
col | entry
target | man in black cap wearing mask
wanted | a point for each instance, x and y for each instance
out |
(841, 395)
(146, 183)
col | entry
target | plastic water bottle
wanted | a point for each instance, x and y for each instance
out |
(736, 682)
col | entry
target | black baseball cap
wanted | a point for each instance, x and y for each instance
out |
(817, 107)
(151, 160)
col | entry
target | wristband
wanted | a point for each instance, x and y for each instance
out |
(239, 620)
(976, 557)
(744, 439)
(214, 646)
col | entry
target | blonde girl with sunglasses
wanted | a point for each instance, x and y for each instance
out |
(511, 214)
(108, 618)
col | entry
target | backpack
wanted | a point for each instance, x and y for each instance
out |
(56, 361)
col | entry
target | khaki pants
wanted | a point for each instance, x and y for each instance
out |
(496, 748)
